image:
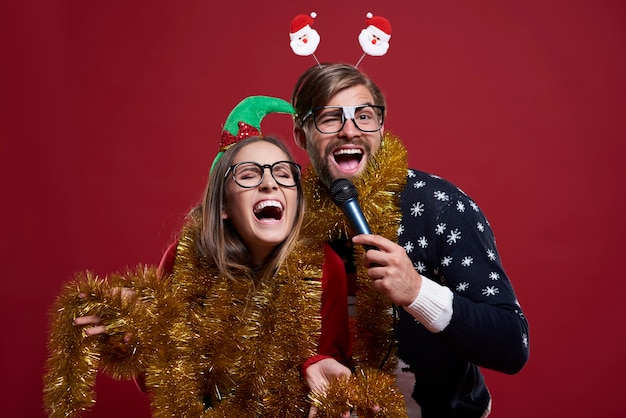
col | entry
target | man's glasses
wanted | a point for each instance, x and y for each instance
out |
(331, 119)
(248, 174)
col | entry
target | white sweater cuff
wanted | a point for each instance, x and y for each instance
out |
(433, 305)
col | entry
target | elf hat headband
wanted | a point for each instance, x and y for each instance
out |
(245, 120)
(374, 39)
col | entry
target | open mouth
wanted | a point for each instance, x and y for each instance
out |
(348, 159)
(269, 210)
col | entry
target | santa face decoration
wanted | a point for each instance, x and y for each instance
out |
(307, 43)
(374, 39)
(372, 44)
(304, 39)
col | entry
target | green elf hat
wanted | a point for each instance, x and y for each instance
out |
(245, 120)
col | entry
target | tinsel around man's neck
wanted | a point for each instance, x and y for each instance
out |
(379, 189)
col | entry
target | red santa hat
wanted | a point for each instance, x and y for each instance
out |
(301, 25)
(379, 26)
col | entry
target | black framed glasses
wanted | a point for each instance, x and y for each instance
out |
(248, 174)
(331, 119)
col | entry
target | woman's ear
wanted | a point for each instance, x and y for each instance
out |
(300, 137)
(224, 213)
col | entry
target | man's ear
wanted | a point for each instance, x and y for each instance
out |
(300, 137)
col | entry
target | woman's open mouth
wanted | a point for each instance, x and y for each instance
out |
(269, 210)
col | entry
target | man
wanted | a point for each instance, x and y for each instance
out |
(457, 310)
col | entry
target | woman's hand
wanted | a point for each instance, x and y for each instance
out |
(93, 324)
(318, 375)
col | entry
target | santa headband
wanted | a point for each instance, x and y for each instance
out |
(374, 39)
(245, 120)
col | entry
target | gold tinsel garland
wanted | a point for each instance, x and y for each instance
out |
(379, 191)
(196, 333)
(74, 358)
(242, 353)
(364, 389)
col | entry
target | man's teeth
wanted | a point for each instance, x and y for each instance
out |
(349, 151)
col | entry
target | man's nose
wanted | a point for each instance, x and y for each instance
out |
(349, 129)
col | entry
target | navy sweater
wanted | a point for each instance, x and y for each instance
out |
(449, 240)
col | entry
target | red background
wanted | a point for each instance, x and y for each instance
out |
(111, 112)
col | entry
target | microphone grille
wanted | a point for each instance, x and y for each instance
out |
(342, 190)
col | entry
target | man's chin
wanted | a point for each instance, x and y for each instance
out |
(347, 174)
(328, 174)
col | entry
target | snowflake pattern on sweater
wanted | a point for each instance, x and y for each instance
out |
(450, 241)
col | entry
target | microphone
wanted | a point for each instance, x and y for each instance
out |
(345, 195)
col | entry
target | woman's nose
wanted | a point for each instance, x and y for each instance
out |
(268, 181)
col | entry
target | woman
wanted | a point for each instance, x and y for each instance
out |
(232, 316)
(256, 319)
